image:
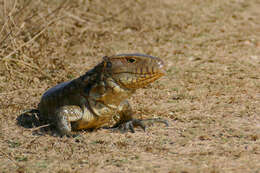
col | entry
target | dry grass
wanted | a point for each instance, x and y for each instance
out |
(211, 95)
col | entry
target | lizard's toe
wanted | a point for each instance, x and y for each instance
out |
(157, 120)
(74, 135)
(129, 126)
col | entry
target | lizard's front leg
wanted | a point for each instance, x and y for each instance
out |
(65, 115)
(127, 122)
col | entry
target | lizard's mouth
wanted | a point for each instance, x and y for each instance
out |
(145, 72)
(136, 80)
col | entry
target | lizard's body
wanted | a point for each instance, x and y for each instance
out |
(91, 100)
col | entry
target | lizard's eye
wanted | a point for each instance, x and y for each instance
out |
(130, 60)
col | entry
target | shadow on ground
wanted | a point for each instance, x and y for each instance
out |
(29, 119)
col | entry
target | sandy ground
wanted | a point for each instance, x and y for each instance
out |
(210, 96)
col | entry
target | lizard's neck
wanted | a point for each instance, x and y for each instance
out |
(99, 87)
(109, 92)
(92, 76)
(85, 82)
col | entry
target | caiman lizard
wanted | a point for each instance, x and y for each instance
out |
(91, 100)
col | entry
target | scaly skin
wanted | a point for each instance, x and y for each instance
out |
(90, 101)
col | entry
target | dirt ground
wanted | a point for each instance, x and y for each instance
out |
(210, 96)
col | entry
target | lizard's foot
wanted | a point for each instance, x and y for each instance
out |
(73, 135)
(65, 116)
(58, 133)
(156, 120)
(129, 125)
(63, 127)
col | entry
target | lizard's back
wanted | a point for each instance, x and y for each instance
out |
(57, 96)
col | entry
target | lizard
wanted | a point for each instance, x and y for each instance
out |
(93, 99)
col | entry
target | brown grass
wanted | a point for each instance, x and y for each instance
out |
(211, 95)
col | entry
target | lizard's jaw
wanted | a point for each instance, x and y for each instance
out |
(133, 71)
(145, 75)
(138, 80)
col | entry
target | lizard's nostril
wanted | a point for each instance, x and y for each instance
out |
(161, 67)
(160, 64)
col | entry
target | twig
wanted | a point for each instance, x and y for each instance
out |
(23, 7)
(36, 36)
(113, 16)
(13, 14)
(9, 15)
(39, 127)
(31, 66)
(75, 17)
(1, 43)
(20, 10)
(57, 9)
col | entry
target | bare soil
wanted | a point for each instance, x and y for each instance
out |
(210, 96)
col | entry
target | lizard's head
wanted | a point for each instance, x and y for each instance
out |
(134, 71)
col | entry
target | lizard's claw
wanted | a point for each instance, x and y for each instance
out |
(129, 125)
(157, 120)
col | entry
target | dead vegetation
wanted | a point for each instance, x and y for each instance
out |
(211, 95)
